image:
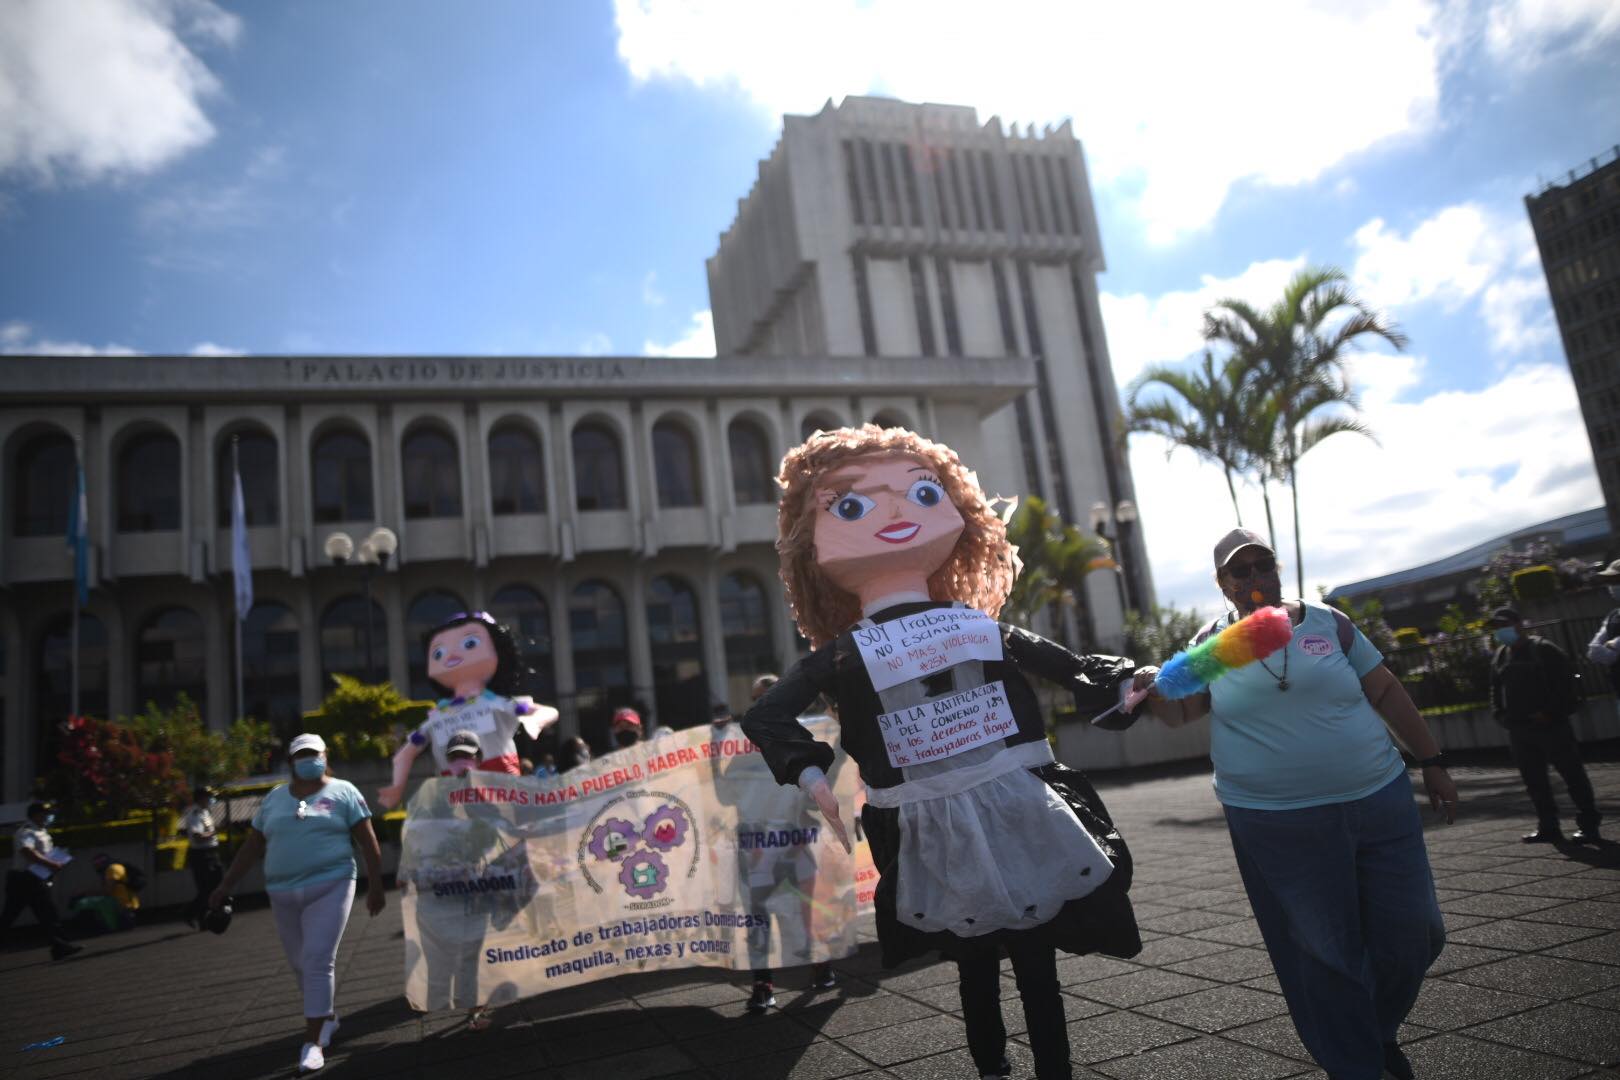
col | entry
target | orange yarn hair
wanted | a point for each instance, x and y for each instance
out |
(979, 571)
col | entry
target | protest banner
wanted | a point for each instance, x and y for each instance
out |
(681, 851)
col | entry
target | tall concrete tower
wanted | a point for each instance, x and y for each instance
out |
(881, 228)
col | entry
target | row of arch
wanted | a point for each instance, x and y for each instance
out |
(170, 647)
(148, 473)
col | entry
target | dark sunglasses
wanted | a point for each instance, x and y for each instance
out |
(1243, 572)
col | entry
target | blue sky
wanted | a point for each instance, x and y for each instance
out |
(180, 175)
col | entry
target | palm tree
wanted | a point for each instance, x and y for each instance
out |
(1295, 352)
(1206, 419)
(1056, 558)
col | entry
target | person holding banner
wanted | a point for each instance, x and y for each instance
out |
(474, 659)
(895, 565)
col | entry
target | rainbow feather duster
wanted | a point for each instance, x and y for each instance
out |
(1251, 638)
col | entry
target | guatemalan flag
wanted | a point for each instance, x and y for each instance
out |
(78, 539)
(241, 558)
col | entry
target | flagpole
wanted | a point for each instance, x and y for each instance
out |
(78, 526)
(236, 470)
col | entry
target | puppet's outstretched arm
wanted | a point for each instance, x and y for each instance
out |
(534, 718)
(390, 796)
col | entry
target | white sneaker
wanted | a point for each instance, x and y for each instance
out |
(310, 1058)
(328, 1029)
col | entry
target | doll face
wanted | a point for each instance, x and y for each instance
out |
(882, 515)
(462, 657)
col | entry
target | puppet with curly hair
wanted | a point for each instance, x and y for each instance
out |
(475, 660)
(896, 565)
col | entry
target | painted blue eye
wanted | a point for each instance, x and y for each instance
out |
(926, 493)
(852, 507)
(468, 644)
(438, 654)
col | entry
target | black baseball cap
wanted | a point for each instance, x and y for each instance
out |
(463, 742)
(1504, 616)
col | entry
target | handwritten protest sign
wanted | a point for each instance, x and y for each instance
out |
(912, 646)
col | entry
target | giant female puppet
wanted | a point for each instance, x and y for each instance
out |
(896, 566)
(474, 659)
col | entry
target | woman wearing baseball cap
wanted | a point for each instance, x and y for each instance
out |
(1327, 835)
(305, 831)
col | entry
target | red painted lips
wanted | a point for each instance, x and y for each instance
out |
(899, 532)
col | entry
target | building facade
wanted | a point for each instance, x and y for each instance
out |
(881, 228)
(1577, 227)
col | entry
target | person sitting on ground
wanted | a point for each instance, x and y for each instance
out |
(1533, 696)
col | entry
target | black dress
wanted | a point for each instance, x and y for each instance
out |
(1100, 921)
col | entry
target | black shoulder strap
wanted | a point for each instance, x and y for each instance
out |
(1347, 630)
(1204, 634)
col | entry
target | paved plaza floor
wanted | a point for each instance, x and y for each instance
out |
(1527, 989)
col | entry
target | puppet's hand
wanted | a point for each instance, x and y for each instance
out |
(827, 803)
(389, 797)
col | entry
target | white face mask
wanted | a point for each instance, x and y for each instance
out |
(460, 765)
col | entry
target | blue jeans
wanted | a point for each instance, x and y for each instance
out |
(1345, 901)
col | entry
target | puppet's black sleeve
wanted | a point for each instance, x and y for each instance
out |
(1094, 680)
(773, 721)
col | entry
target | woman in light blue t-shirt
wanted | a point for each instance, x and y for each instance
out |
(1326, 832)
(306, 831)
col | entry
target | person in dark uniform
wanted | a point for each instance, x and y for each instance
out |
(895, 565)
(1532, 694)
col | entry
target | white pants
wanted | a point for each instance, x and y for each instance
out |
(310, 921)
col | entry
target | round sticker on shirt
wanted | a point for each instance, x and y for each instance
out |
(1314, 645)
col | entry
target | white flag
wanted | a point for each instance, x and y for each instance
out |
(241, 557)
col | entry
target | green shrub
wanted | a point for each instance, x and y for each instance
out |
(358, 720)
(1407, 636)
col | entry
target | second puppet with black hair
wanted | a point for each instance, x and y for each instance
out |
(474, 659)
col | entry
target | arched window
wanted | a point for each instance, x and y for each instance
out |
(601, 672)
(53, 690)
(340, 465)
(752, 478)
(676, 634)
(675, 462)
(527, 613)
(261, 481)
(171, 654)
(45, 481)
(345, 633)
(745, 623)
(426, 611)
(818, 422)
(270, 667)
(432, 474)
(149, 483)
(889, 420)
(598, 469)
(517, 476)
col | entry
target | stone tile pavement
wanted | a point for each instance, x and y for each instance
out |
(1528, 988)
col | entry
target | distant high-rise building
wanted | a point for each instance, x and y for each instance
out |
(1577, 225)
(880, 228)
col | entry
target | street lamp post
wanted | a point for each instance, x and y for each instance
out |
(373, 555)
(1121, 519)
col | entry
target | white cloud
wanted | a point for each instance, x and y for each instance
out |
(17, 338)
(649, 290)
(101, 88)
(1166, 115)
(1525, 33)
(1461, 254)
(1453, 468)
(597, 344)
(1167, 328)
(697, 341)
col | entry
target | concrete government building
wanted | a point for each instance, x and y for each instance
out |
(897, 263)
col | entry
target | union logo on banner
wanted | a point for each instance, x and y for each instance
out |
(642, 845)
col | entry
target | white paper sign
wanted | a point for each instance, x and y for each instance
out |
(912, 646)
(947, 726)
